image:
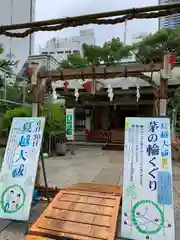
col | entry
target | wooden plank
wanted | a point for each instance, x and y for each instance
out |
(80, 214)
(83, 207)
(100, 188)
(88, 193)
(74, 228)
(71, 216)
(101, 71)
(33, 237)
(68, 197)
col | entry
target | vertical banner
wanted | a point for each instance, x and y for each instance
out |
(147, 209)
(19, 167)
(70, 124)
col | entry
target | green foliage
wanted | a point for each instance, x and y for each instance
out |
(58, 119)
(74, 60)
(175, 101)
(115, 51)
(151, 49)
(93, 54)
(56, 123)
(4, 63)
(10, 114)
(174, 104)
(109, 54)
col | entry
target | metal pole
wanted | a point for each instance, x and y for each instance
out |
(125, 32)
(49, 116)
(5, 86)
(49, 108)
(24, 93)
(11, 22)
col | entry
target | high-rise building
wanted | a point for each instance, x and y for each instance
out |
(13, 12)
(169, 21)
(60, 48)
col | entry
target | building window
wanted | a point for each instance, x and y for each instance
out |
(44, 53)
(60, 52)
(51, 52)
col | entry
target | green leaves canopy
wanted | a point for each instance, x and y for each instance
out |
(151, 49)
(109, 54)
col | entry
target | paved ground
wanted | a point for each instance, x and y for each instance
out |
(87, 165)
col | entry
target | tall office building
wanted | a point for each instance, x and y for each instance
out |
(60, 48)
(169, 21)
(13, 12)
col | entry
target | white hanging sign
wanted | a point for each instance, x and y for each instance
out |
(147, 209)
(19, 167)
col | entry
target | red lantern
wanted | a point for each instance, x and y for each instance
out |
(87, 86)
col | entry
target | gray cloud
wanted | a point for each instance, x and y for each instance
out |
(48, 9)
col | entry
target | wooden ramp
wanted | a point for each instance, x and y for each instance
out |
(83, 211)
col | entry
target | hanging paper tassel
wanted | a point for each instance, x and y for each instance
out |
(76, 93)
(137, 92)
(110, 92)
(54, 94)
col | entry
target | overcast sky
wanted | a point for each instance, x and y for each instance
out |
(48, 9)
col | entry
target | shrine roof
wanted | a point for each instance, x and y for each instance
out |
(124, 83)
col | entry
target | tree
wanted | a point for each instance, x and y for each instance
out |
(6, 64)
(174, 109)
(93, 54)
(74, 60)
(152, 48)
(110, 53)
(116, 51)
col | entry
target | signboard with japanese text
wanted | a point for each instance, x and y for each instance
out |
(19, 167)
(70, 124)
(147, 208)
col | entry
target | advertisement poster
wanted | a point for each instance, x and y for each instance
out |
(19, 167)
(70, 124)
(147, 209)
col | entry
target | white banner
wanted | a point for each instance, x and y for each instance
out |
(147, 209)
(19, 167)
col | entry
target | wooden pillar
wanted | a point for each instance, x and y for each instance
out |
(36, 98)
(164, 87)
(156, 108)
